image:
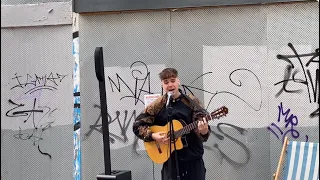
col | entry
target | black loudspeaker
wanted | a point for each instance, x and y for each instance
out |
(108, 174)
(116, 175)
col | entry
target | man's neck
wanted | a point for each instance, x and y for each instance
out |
(176, 95)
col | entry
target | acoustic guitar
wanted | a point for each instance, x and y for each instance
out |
(159, 153)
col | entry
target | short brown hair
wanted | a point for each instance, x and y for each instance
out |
(168, 73)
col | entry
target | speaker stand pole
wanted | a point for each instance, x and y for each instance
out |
(116, 174)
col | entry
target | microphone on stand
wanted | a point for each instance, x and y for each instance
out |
(170, 93)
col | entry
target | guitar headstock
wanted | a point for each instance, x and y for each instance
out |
(222, 111)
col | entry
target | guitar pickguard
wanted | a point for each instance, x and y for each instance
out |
(184, 141)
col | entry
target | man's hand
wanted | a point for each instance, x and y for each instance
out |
(203, 126)
(160, 137)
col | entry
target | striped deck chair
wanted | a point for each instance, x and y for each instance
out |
(302, 162)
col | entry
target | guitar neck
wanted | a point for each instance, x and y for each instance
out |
(189, 127)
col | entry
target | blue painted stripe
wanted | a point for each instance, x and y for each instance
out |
(296, 160)
(304, 161)
(77, 100)
(313, 160)
(289, 149)
(77, 110)
(76, 117)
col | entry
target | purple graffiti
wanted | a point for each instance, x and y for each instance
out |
(291, 121)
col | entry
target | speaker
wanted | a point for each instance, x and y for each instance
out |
(116, 175)
(108, 174)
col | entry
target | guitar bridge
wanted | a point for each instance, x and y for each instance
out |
(158, 147)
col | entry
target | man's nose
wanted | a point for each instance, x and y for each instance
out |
(170, 84)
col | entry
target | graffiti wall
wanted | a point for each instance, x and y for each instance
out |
(36, 100)
(262, 62)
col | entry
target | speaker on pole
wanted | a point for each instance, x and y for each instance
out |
(108, 174)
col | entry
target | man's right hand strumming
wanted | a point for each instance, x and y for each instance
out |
(160, 137)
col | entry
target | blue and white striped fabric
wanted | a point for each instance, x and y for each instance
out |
(302, 161)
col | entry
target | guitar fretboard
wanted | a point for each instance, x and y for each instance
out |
(189, 127)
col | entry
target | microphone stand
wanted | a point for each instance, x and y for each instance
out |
(172, 138)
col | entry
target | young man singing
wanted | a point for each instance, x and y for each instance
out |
(184, 109)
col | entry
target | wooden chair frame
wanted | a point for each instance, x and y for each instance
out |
(282, 156)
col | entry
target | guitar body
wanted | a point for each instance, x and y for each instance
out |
(160, 153)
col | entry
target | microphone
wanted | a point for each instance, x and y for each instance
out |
(170, 93)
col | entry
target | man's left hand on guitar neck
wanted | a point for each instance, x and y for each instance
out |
(203, 126)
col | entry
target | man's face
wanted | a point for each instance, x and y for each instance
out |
(171, 84)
